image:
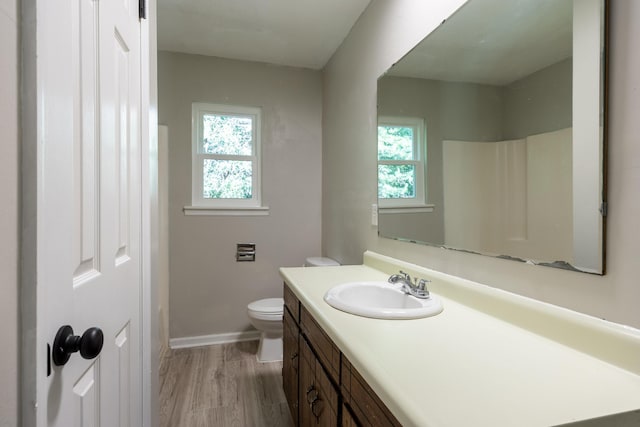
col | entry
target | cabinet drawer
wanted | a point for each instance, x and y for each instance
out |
(366, 405)
(326, 350)
(292, 303)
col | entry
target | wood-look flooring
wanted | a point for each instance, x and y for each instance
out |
(221, 385)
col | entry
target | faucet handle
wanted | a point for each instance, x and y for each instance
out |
(406, 276)
(422, 284)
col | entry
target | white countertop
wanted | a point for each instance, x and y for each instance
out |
(478, 363)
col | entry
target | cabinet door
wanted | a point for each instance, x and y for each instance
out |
(290, 364)
(318, 397)
(325, 407)
(348, 420)
(307, 390)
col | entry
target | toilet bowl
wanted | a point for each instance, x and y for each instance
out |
(266, 316)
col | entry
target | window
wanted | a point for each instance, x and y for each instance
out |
(225, 156)
(401, 160)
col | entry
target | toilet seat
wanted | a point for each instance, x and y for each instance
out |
(267, 309)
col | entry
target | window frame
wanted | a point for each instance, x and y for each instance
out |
(419, 162)
(198, 111)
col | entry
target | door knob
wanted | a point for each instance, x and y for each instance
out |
(65, 343)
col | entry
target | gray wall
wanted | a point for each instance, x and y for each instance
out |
(209, 291)
(459, 111)
(385, 32)
(538, 103)
(9, 225)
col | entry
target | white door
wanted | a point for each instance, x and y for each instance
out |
(89, 208)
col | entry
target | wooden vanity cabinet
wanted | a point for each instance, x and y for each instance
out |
(326, 351)
(318, 397)
(290, 363)
(292, 304)
(347, 419)
(321, 386)
(364, 403)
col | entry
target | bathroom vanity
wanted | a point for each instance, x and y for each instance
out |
(321, 385)
(491, 358)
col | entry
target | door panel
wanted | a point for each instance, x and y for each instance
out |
(87, 401)
(121, 51)
(86, 140)
(124, 373)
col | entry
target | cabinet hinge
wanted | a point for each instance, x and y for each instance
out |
(604, 207)
(142, 9)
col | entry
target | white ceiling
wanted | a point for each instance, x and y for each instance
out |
(300, 33)
(493, 42)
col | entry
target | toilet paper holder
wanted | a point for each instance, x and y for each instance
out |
(245, 252)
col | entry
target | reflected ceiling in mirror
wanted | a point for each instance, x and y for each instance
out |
(491, 134)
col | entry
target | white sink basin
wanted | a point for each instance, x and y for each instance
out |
(380, 300)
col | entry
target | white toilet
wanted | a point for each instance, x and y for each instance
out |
(266, 316)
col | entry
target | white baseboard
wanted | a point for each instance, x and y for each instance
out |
(186, 342)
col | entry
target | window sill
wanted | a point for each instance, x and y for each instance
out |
(229, 211)
(406, 209)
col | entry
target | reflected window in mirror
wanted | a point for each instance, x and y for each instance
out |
(401, 162)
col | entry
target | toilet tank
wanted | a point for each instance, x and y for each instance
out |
(320, 262)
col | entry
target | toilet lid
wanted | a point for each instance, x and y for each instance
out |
(268, 305)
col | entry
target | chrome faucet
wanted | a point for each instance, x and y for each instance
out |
(417, 288)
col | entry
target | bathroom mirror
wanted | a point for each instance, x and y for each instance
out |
(491, 134)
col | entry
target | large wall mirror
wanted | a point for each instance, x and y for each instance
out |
(491, 134)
